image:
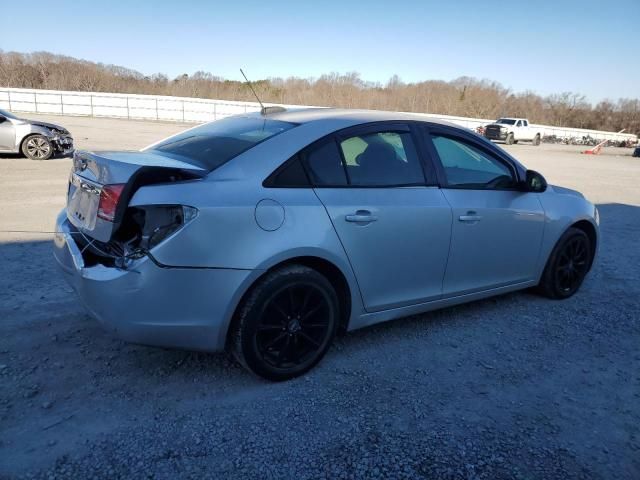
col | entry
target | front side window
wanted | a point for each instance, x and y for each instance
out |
(466, 166)
(382, 159)
(215, 143)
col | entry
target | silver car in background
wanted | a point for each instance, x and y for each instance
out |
(266, 234)
(35, 139)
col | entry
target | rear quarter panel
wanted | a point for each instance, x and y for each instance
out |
(225, 234)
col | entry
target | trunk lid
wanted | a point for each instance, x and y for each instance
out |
(92, 171)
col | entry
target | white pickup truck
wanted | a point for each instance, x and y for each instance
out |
(513, 130)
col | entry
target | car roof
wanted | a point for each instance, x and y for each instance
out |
(308, 115)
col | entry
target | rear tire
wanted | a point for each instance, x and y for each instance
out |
(286, 323)
(37, 147)
(536, 140)
(567, 265)
(509, 140)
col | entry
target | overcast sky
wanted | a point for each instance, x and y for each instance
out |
(545, 46)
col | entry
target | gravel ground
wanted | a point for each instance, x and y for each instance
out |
(512, 387)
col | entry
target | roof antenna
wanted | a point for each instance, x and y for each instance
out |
(263, 110)
(251, 87)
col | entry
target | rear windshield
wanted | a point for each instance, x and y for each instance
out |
(215, 143)
(506, 121)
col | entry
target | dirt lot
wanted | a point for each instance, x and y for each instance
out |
(512, 387)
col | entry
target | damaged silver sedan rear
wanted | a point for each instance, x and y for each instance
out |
(267, 234)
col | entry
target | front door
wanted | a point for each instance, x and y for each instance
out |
(394, 227)
(497, 229)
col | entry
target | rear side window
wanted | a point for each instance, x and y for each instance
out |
(466, 166)
(325, 165)
(382, 159)
(215, 143)
(290, 174)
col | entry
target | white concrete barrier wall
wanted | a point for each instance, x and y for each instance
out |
(184, 109)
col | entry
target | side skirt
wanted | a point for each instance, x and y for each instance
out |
(368, 319)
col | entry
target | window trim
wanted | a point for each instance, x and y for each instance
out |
(410, 126)
(421, 132)
(453, 134)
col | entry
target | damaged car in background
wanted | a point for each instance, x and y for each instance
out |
(265, 235)
(34, 139)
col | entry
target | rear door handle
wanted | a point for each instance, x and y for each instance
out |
(471, 216)
(361, 216)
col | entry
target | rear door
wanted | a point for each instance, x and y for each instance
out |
(497, 228)
(394, 225)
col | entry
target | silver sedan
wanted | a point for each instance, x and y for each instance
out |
(267, 234)
(34, 139)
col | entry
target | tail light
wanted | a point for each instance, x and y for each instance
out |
(109, 197)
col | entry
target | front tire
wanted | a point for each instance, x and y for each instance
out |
(286, 324)
(509, 140)
(37, 147)
(567, 266)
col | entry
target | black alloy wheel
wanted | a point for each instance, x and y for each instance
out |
(286, 324)
(294, 325)
(572, 264)
(568, 265)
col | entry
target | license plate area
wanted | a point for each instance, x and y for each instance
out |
(82, 202)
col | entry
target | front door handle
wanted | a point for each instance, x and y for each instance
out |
(361, 216)
(471, 216)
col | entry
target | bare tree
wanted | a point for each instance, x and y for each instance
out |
(464, 96)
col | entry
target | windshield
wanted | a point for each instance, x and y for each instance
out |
(215, 143)
(4, 113)
(506, 121)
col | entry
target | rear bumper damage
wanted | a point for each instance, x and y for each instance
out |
(182, 307)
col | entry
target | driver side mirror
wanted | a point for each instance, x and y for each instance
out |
(535, 182)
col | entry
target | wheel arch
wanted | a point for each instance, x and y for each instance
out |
(345, 289)
(30, 134)
(25, 138)
(590, 230)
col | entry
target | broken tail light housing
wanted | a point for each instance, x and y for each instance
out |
(109, 198)
(163, 221)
